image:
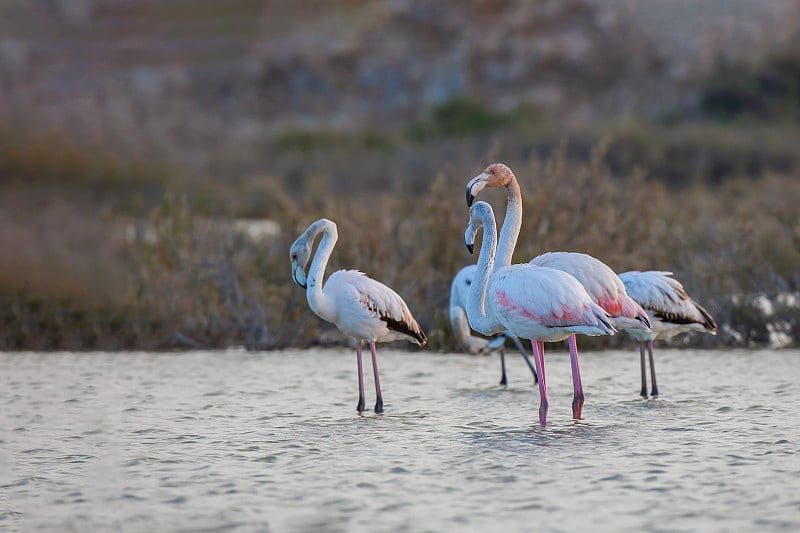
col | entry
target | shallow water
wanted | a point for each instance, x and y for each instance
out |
(271, 442)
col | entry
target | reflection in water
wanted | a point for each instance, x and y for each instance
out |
(272, 441)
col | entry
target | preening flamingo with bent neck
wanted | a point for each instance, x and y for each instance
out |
(362, 308)
(474, 345)
(671, 309)
(532, 302)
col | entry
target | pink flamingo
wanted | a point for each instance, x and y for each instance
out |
(602, 284)
(474, 345)
(362, 308)
(671, 309)
(599, 280)
(537, 303)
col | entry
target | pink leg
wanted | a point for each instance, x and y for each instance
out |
(360, 406)
(379, 402)
(538, 360)
(577, 398)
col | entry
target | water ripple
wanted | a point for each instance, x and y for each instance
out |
(210, 441)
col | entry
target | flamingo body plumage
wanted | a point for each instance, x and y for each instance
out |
(362, 308)
(669, 306)
(544, 303)
(671, 311)
(602, 284)
(473, 344)
(369, 310)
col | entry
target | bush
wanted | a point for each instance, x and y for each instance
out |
(767, 91)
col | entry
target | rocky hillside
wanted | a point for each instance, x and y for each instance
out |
(184, 75)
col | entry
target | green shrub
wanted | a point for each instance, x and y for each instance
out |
(769, 90)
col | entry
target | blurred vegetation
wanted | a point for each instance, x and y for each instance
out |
(769, 90)
(742, 238)
(113, 250)
(197, 282)
(34, 322)
(453, 118)
(461, 116)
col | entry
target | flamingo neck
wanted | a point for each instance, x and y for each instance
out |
(456, 294)
(511, 225)
(476, 300)
(320, 302)
(459, 323)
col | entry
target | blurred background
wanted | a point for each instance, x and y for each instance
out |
(157, 158)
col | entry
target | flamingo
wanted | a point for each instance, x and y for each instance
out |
(602, 284)
(532, 302)
(459, 289)
(362, 308)
(599, 280)
(671, 309)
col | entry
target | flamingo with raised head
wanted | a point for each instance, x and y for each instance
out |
(532, 302)
(600, 281)
(474, 345)
(671, 309)
(362, 308)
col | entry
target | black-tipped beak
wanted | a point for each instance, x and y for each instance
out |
(470, 197)
(471, 248)
(297, 281)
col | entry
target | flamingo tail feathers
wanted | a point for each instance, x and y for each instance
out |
(406, 327)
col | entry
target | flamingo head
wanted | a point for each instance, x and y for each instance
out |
(300, 251)
(479, 212)
(495, 175)
(299, 254)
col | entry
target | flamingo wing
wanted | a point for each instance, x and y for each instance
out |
(371, 302)
(665, 298)
(545, 296)
(599, 280)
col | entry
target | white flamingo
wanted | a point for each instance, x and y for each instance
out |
(671, 309)
(599, 280)
(362, 308)
(459, 289)
(537, 303)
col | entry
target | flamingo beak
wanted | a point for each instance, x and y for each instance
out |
(476, 185)
(298, 276)
(469, 237)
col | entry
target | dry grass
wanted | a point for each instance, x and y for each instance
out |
(74, 283)
(742, 238)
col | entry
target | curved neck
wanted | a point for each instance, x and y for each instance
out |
(318, 301)
(511, 225)
(457, 295)
(476, 300)
(461, 331)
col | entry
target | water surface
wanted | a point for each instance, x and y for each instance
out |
(271, 442)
